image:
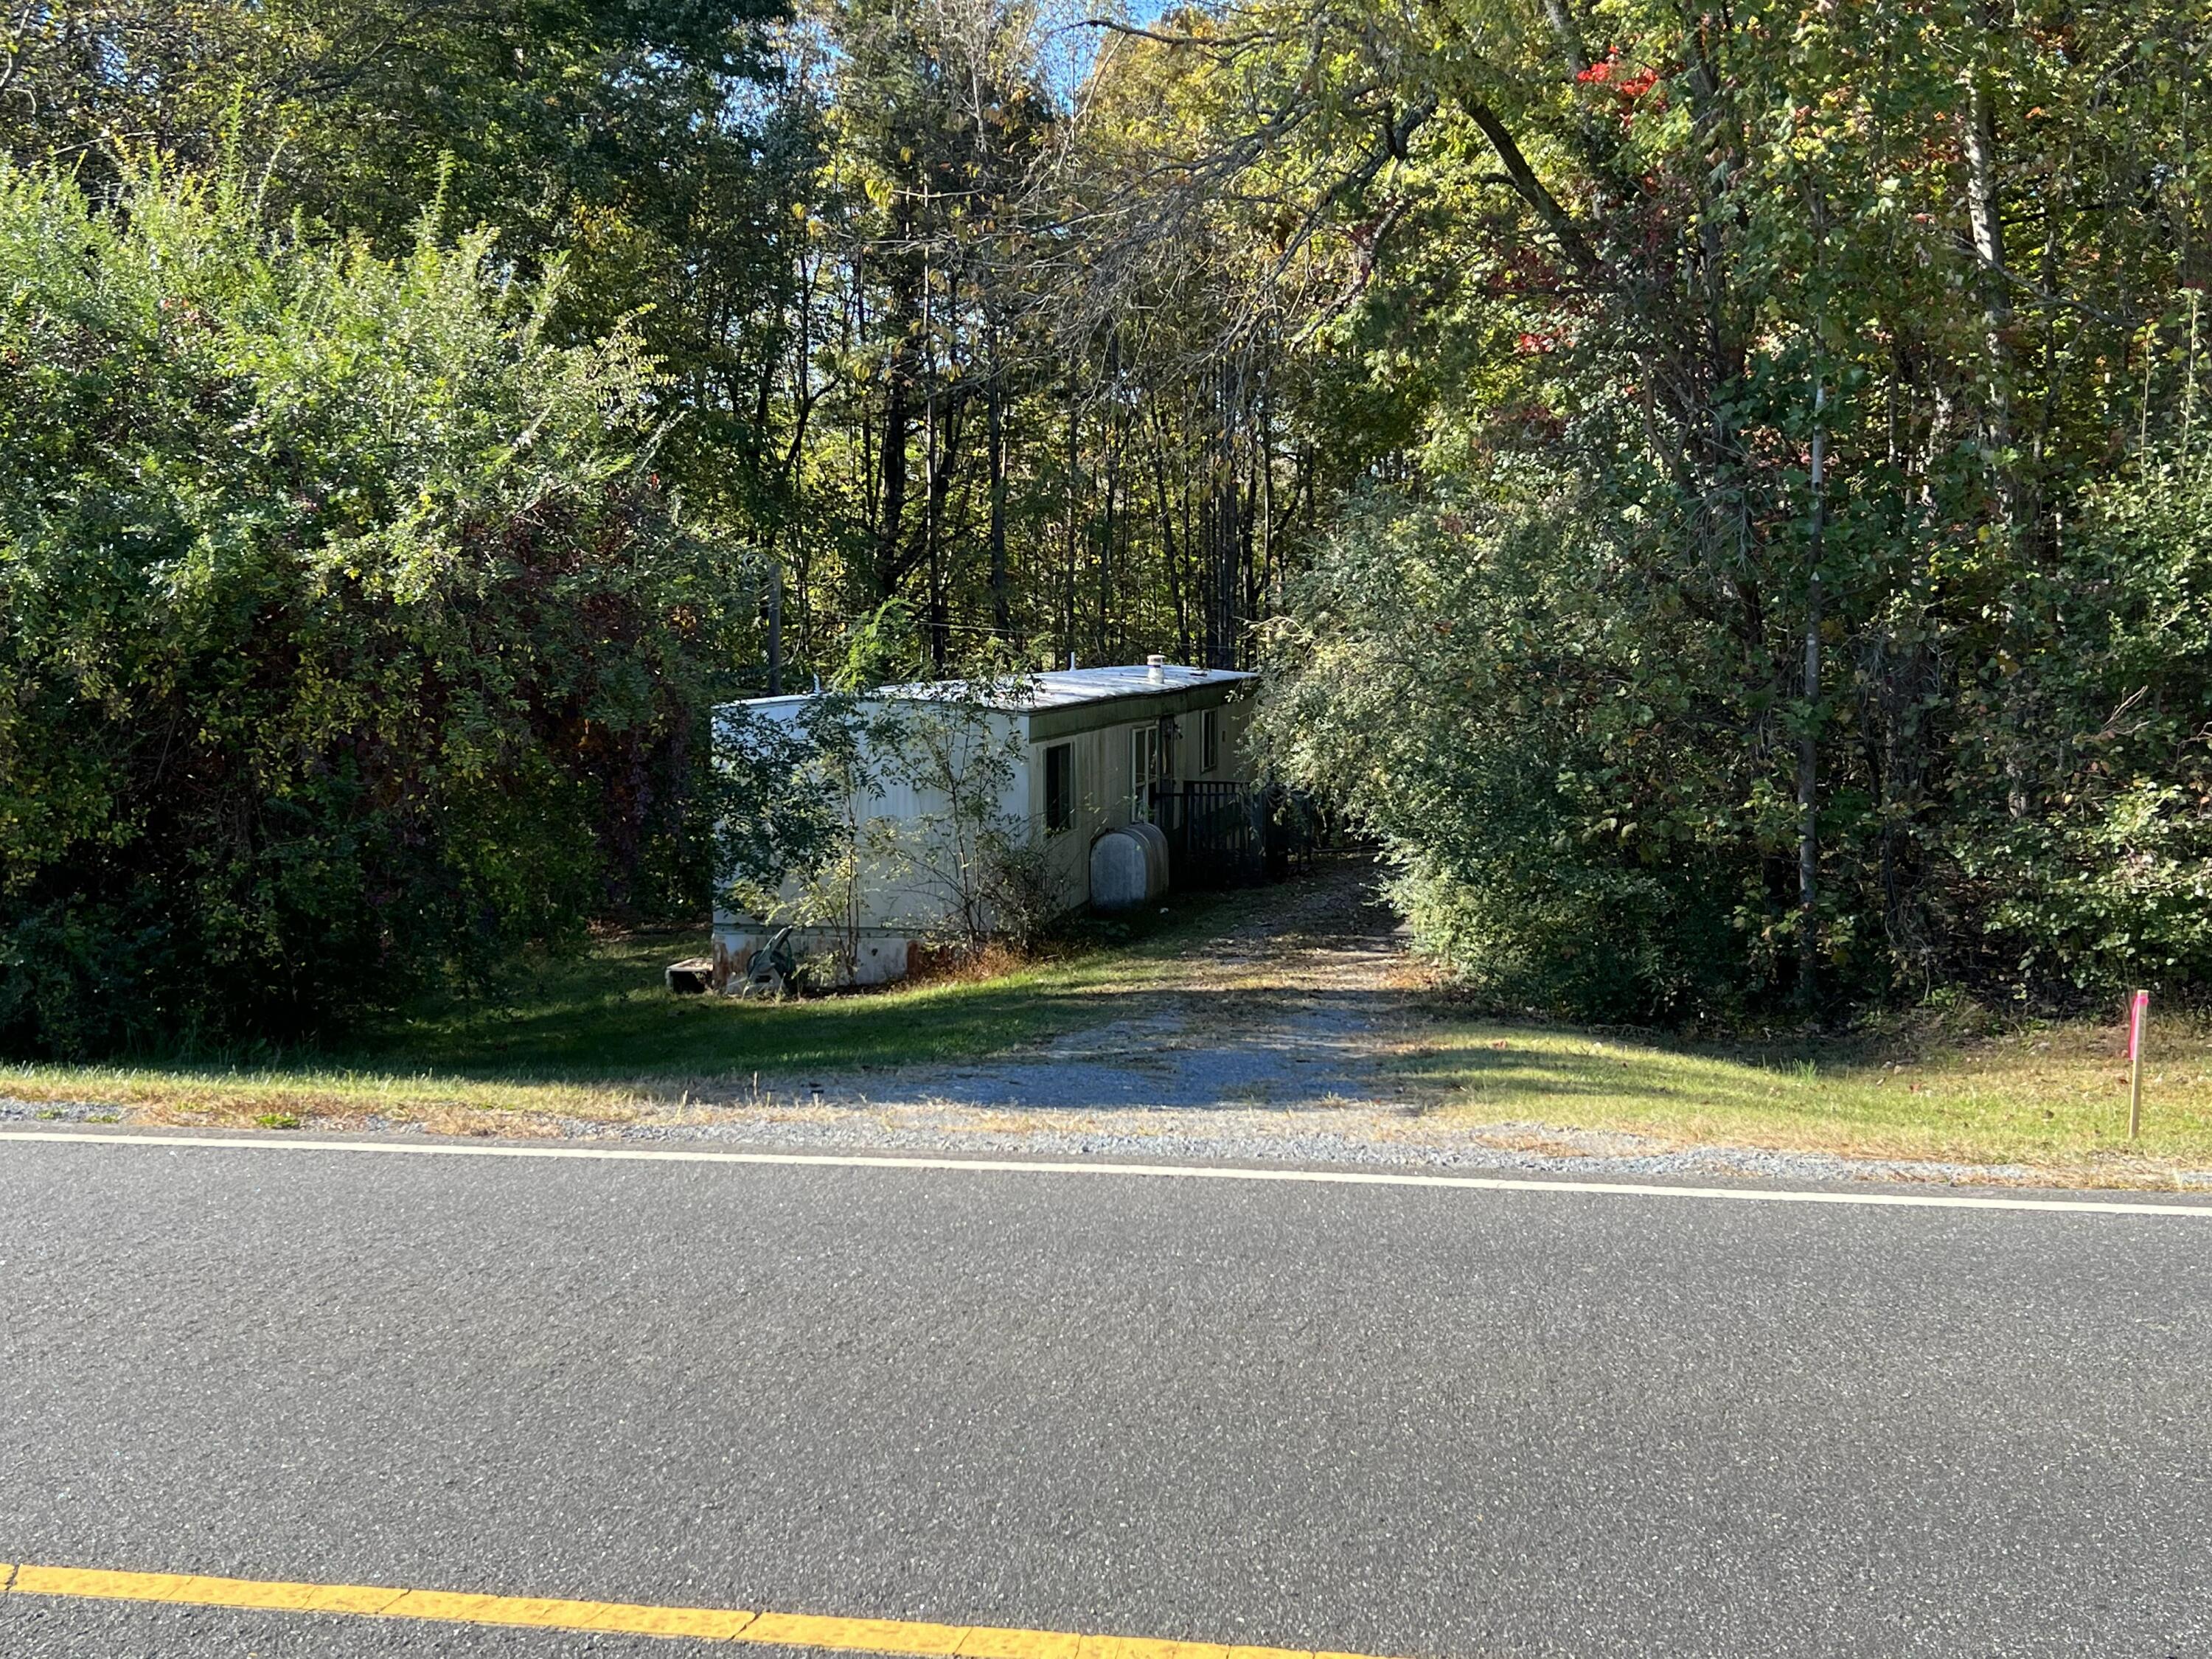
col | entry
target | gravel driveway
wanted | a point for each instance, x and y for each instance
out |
(1273, 1044)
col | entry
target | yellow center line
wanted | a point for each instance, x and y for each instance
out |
(888, 1636)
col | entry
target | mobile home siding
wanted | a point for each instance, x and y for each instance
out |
(1097, 730)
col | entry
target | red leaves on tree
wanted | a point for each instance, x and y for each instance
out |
(1612, 74)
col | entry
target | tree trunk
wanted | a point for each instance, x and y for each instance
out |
(932, 543)
(776, 628)
(1074, 457)
(898, 420)
(1808, 742)
(1985, 224)
(1001, 598)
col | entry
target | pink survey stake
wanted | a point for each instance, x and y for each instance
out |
(2138, 1006)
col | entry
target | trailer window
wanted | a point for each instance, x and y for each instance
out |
(1209, 729)
(1059, 788)
(1144, 768)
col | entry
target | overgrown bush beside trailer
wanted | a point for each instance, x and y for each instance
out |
(351, 645)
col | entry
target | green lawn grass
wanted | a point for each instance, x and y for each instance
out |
(600, 1035)
(599, 1038)
(2053, 1096)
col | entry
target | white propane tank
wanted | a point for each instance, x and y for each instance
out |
(1128, 867)
(1156, 856)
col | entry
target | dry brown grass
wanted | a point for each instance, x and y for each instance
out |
(968, 964)
(2047, 1098)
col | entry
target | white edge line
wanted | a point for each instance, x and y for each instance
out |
(1166, 1171)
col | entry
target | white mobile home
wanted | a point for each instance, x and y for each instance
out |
(1075, 756)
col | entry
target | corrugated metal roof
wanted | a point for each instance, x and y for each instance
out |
(1062, 688)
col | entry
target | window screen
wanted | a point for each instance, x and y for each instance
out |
(1059, 788)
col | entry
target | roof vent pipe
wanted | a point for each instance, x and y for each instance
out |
(1156, 668)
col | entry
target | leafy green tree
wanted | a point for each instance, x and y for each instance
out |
(1854, 329)
(641, 143)
(351, 643)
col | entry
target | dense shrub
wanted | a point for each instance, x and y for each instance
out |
(2085, 864)
(1588, 797)
(349, 644)
(1469, 684)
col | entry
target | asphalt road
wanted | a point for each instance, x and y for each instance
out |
(1395, 1422)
